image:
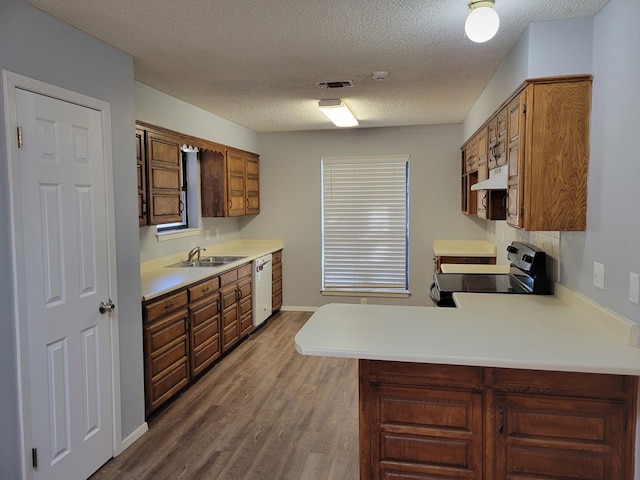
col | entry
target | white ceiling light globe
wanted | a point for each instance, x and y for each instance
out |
(482, 24)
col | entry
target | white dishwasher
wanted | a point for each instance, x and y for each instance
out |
(261, 289)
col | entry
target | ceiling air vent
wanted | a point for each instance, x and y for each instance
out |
(343, 84)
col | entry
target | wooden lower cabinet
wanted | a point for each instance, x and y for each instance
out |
(236, 303)
(166, 348)
(204, 320)
(422, 421)
(276, 284)
(187, 331)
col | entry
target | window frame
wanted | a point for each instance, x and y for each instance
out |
(394, 288)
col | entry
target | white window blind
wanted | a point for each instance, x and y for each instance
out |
(365, 229)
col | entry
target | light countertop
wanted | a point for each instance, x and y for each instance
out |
(158, 279)
(464, 248)
(473, 268)
(562, 333)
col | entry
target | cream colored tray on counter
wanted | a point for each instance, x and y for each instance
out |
(473, 268)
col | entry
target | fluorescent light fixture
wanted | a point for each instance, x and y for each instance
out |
(337, 112)
(483, 21)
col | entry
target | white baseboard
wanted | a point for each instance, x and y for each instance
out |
(131, 438)
(298, 309)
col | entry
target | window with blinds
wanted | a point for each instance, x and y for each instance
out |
(365, 224)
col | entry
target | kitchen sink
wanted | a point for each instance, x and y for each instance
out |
(209, 261)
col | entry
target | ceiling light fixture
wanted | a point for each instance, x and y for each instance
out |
(337, 112)
(483, 21)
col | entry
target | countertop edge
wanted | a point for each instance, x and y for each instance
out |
(153, 271)
(554, 337)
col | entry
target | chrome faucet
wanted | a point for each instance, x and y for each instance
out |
(193, 252)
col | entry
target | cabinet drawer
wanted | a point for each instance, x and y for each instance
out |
(203, 312)
(405, 373)
(229, 337)
(176, 352)
(245, 305)
(246, 324)
(277, 257)
(276, 300)
(245, 290)
(560, 383)
(229, 317)
(245, 270)
(228, 297)
(229, 277)
(276, 272)
(206, 332)
(162, 389)
(157, 309)
(166, 332)
(206, 355)
(203, 289)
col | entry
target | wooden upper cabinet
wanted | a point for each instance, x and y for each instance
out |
(230, 183)
(483, 171)
(159, 177)
(542, 134)
(515, 111)
(553, 156)
(236, 184)
(142, 177)
(501, 142)
(252, 183)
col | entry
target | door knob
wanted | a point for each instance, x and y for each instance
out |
(107, 307)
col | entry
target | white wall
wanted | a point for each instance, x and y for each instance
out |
(291, 201)
(38, 46)
(560, 47)
(613, 222)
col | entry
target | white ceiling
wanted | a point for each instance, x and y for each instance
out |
(256, 62)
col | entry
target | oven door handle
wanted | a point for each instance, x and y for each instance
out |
(434, 294)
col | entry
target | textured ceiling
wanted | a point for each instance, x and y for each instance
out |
(256, 63)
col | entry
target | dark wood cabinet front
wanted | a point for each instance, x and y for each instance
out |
(422, 421)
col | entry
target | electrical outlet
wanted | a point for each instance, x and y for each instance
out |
(217, 232)
(598, 275)
(634, 288)
(207, 234)
(363, 301)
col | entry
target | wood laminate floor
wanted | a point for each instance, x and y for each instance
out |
(264, 413)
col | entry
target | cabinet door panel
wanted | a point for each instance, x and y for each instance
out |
(165, 387)
(163, 176)
(558, 437)
(167, 331)
(142, 177)
(235, 183)
(429, 431)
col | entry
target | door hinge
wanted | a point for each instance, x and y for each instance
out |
(34, 457)
(19, 137)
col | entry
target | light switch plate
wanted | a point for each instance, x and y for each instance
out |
(634, 288)
(598, 275)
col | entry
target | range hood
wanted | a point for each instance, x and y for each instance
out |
(497, 180)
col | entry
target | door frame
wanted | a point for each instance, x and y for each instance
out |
(11, 82)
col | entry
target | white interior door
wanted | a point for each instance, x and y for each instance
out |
(66, 271)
